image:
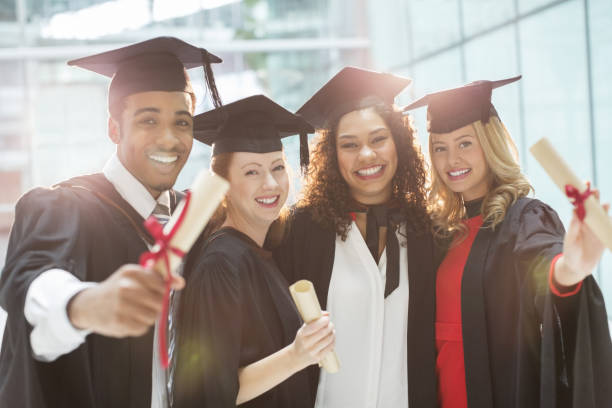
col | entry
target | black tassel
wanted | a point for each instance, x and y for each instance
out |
(210, 80)
(304, 154)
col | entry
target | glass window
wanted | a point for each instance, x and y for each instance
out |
(555, 94)
(7, 10)
(435, 25)
(600, 30)
(390, 34)
(494, 57)
(526, 6)
(440, 72)
(479, 15)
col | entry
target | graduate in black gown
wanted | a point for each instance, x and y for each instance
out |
(236, 323)
(520, 321)
(80, 309)
(360, 233)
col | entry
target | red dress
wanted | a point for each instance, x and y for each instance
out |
(449, 340)
(450, 364)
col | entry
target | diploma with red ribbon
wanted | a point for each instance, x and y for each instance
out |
(586, 205)
(175, 239)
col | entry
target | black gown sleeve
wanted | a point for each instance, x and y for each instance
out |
(209, 336)
(576, 352)
(45, 235)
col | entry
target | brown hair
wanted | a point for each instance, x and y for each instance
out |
(219, 165)
(327, 194)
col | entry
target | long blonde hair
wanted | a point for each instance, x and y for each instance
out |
(506, 181)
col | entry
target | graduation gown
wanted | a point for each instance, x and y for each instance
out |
(235, 310)
(84, 227)
(307, 251)
(524, 346)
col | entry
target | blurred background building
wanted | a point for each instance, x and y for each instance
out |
(53, 117)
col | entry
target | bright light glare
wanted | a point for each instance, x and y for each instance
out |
(113, 17)
(96, 21)
(167, 9)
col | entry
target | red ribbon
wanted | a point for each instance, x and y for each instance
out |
(577, 198)
(160, 251)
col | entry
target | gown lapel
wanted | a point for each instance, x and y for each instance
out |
(475, 342)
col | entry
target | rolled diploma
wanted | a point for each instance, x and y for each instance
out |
(559, 171)
(207, 192)
(307, 303)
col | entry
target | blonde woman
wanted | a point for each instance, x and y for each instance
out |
(520, 322)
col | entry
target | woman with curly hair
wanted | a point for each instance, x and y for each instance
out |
(520, 321)
(361, 234)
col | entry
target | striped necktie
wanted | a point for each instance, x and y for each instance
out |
(161, 212)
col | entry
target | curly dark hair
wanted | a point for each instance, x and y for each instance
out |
(327, 194)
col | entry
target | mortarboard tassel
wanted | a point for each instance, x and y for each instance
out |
(210, 80)
(304, 154)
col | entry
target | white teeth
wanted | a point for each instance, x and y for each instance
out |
(267, 201)
(458, 172)
(369, 171)
(163, 159)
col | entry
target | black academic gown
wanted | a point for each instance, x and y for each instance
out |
(524, 346)
(307, 252)
(235, 310)
(84, 227)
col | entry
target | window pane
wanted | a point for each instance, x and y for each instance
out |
(478, 15)
(600, 30)
(526, 6)
(494, 57)
(435, 24)
(556, 94)
(441, 72)
(7, 10)
(391, 33)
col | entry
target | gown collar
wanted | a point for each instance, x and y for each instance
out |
(473, 208)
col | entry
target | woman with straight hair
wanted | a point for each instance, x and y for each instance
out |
(236, 322)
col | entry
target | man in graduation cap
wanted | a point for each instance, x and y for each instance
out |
(520, 321)
(80, 310)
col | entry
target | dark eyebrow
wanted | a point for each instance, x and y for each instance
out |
(377, 130)
(183, 112)
(347, 137)
(256, 164)
(143, 110)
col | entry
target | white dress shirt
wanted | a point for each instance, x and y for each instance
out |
(48, 295)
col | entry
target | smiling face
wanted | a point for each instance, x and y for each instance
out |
(460, 162)
(154, 137)
(259, 184)
(367, 157)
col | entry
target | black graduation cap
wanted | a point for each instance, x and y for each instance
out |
(158, 64)
(350, 89)
(454, 108)
(255, 124)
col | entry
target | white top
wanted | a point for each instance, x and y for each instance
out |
(48, 295)
(371, 331)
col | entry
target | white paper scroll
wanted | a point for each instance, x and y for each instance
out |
(559, 171)
(307, 303)
(207, 192)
